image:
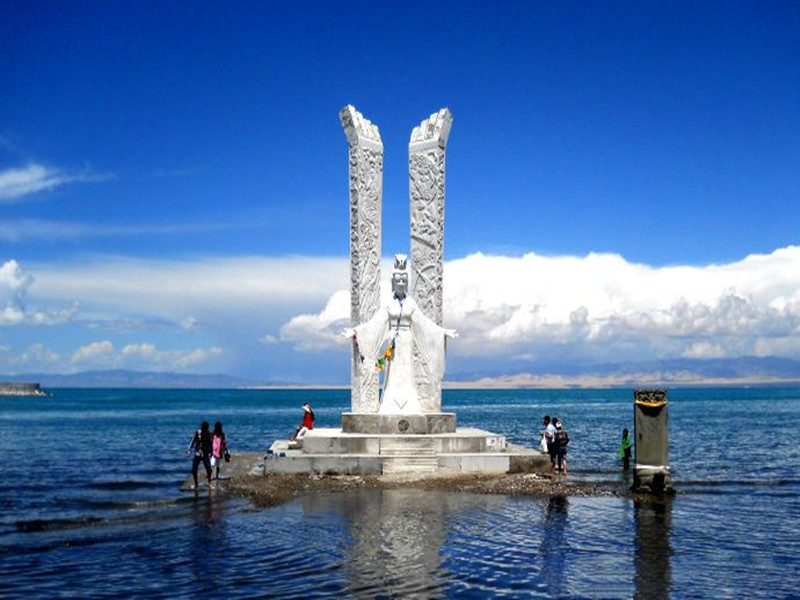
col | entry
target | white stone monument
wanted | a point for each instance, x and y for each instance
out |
(403, 429)
(413, 374)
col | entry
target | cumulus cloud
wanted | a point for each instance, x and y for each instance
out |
(14, 310)
(16, 183)
(177, 287)
(95, 353)
(527, 310)
(600, 307)
(322, 330)
(36, 356)
(103, 354)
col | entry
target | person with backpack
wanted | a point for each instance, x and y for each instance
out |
(202, 447)
(219, 448)
(561, 442)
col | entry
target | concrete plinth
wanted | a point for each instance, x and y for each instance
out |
(398, 424)
(468, 450)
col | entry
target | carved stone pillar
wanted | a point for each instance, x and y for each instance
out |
(366, 191)
(426, 163)
(426, 153)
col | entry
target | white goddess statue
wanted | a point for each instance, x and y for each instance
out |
(408, 347)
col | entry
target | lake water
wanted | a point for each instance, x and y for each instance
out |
(90, 504)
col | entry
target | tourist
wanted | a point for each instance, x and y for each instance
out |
(202, 446)
(550, 436)
(624, 451)
(562, 440)
(543, 445)
(219, 448)
(308, 423)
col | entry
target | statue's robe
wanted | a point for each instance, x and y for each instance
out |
(413, 376)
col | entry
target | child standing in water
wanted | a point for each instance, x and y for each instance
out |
(624, 451)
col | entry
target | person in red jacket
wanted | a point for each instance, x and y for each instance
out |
(308, 423)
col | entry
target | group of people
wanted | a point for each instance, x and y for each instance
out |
(555, 440)
(209, 448)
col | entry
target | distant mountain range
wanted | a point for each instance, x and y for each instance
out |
(746, 371)
(680, 372)
(120, 378)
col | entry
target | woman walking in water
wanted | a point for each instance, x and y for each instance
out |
(202, 446)
(219, 448)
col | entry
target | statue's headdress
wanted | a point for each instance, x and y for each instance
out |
(400, 261)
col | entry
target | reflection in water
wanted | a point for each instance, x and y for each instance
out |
(208, 538)
(652, 550)
(397, 538)
(555, 547)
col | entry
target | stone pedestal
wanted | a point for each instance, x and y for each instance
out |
(468, 450)
(398, 424)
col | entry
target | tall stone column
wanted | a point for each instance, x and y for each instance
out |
(366, 191)
(426, 164)
(426, 153)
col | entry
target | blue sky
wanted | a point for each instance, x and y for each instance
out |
(173, 178)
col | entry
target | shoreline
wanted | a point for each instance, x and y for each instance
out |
(266, 491)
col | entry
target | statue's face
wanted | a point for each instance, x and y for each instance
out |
(400, 283)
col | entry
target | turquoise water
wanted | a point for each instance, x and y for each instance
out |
(91, 504)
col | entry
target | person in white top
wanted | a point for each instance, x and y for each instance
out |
(550, 436)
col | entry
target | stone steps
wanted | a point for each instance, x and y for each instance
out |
(410, 464)
(407, 445)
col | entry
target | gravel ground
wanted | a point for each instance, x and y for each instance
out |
(271, 490)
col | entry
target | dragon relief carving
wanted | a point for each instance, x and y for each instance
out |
(426, 178)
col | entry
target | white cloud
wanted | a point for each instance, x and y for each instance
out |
(96, 353)
(20, 182)
(189, 291)
(602, 308)
(320, 331)
(531, 309)
(14, 310)
(704, 350)
(143, 355)
(35, 357)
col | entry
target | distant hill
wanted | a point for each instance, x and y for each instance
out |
(748, 370)
(121, 378)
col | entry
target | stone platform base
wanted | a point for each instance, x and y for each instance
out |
(399, 424)
(468, 450)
